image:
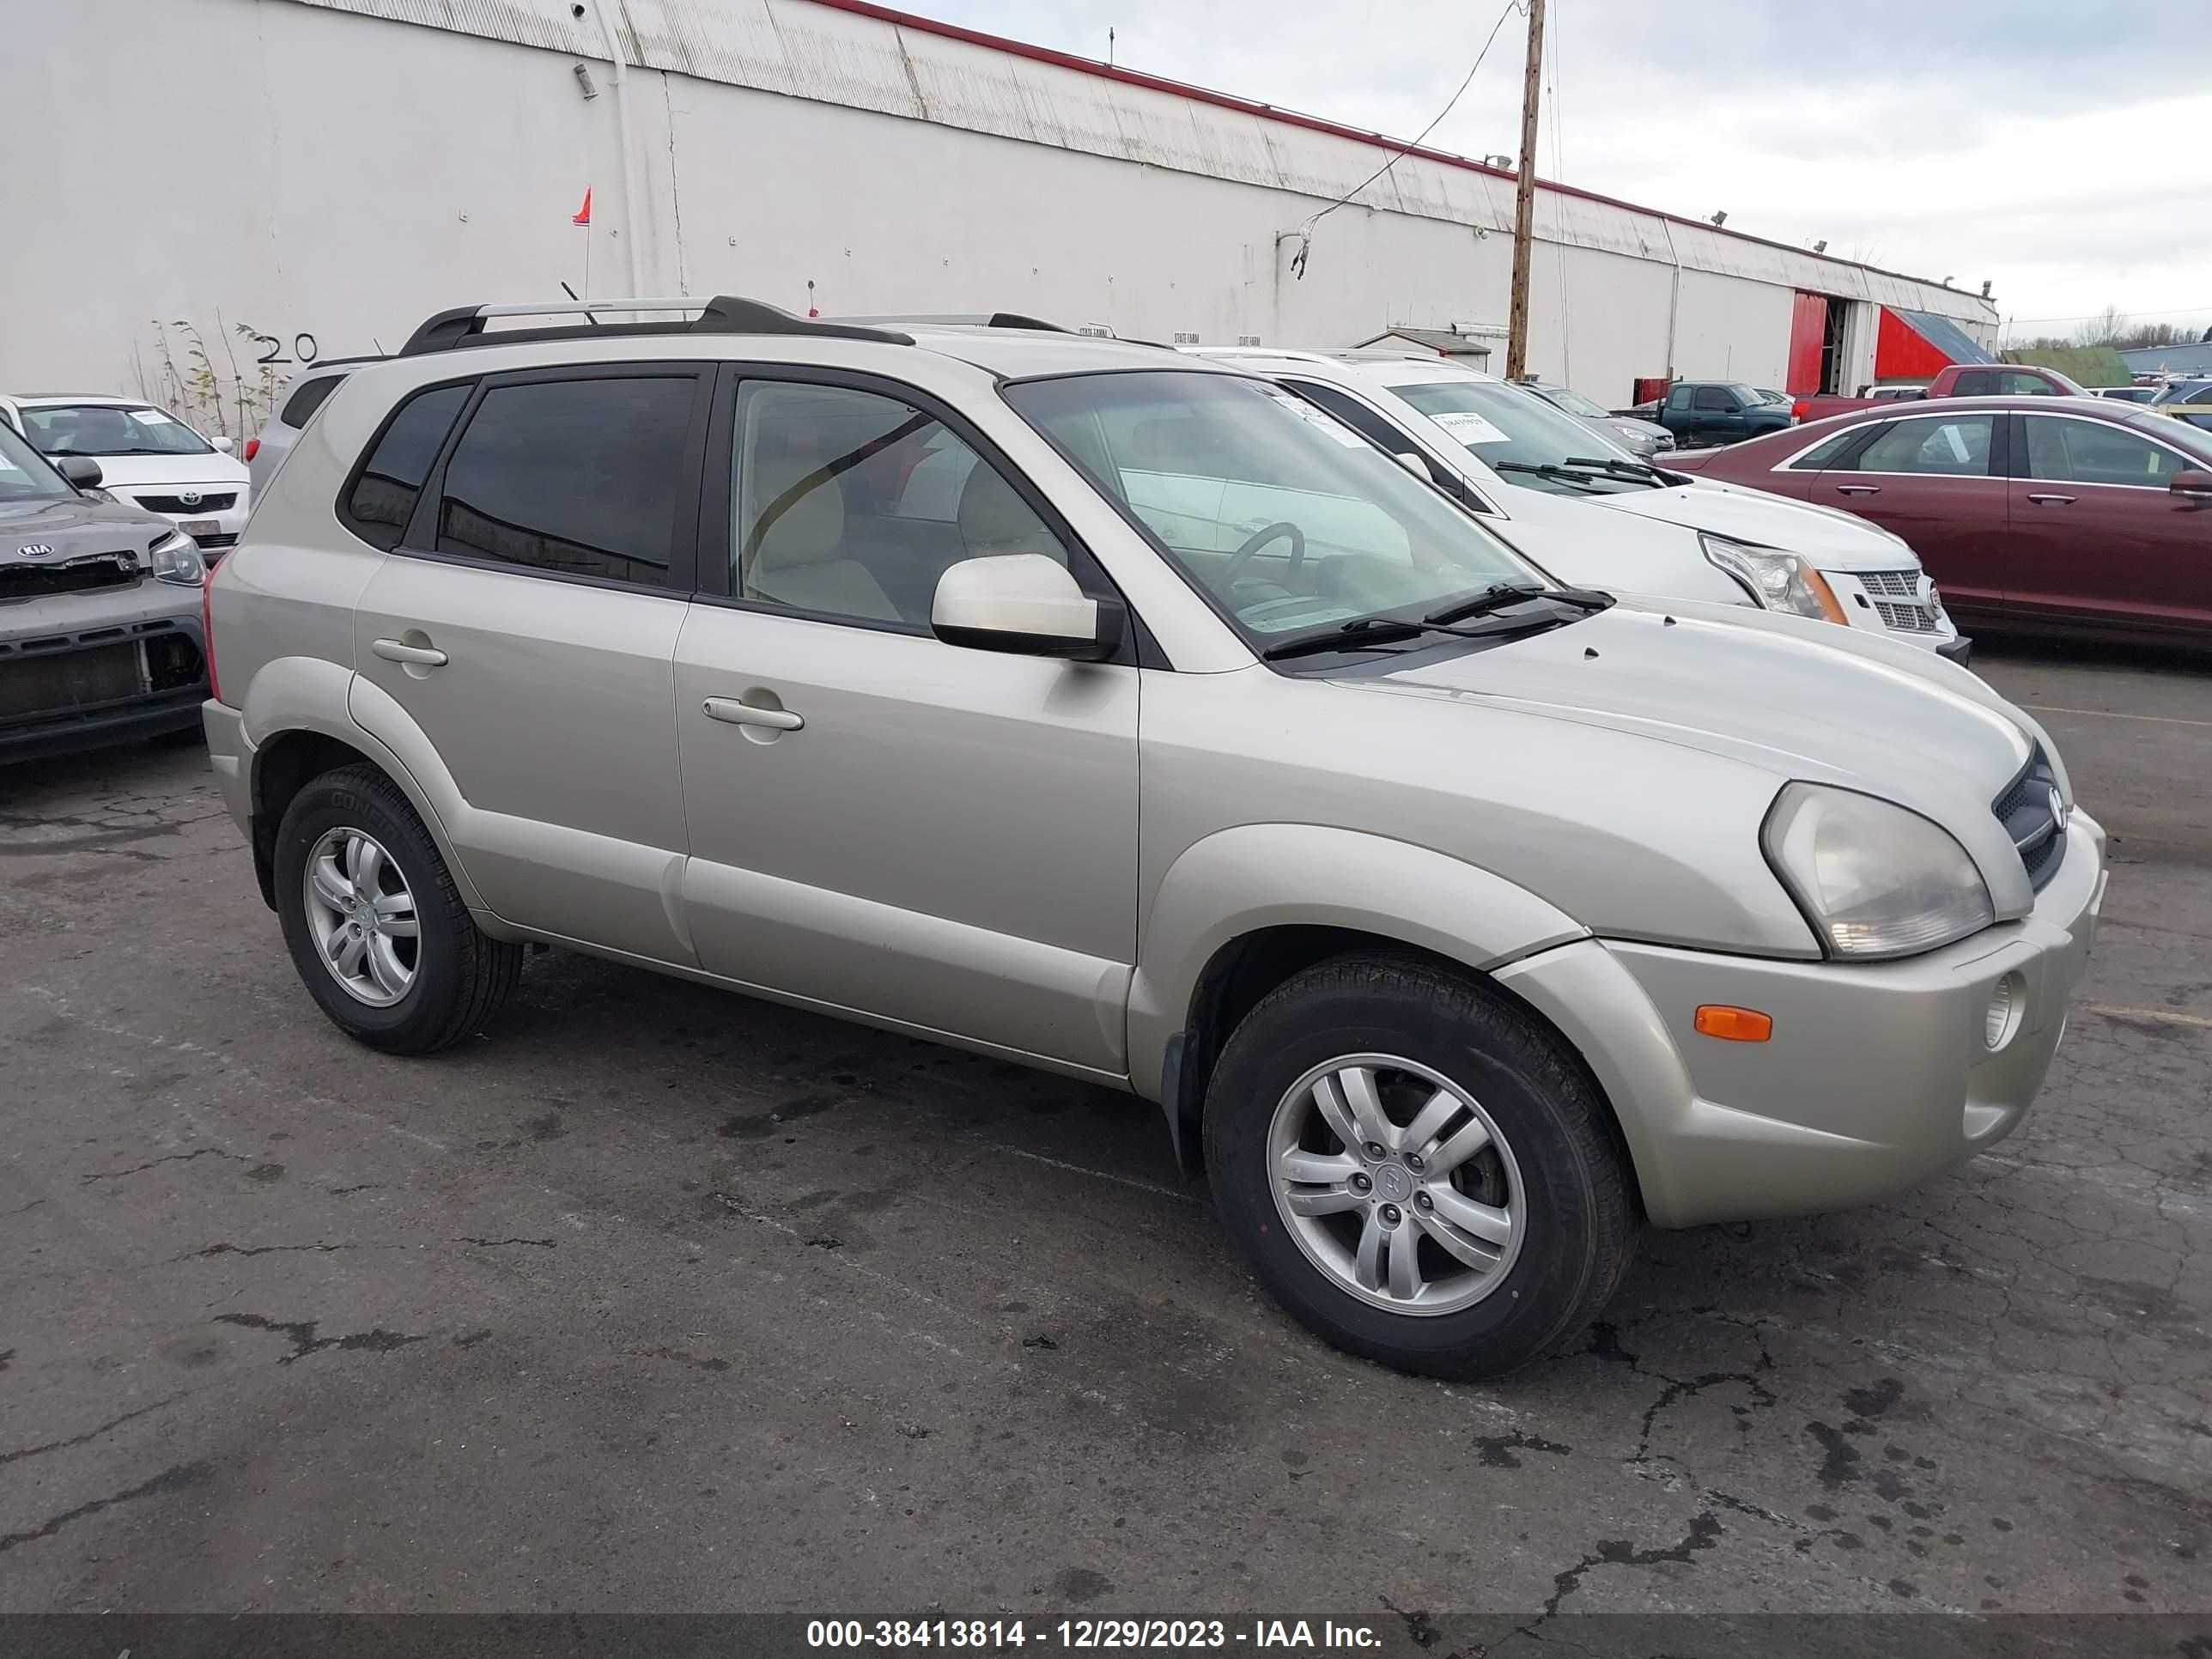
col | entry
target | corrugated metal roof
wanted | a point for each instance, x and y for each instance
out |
(1437, 339)
(1945, 336)
(864, 56)
(2192, 357)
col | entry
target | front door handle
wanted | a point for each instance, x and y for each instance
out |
(734, 713)
(1858, 489)
(2052, 501)
(420, 656)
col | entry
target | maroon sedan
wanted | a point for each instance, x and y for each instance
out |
(2059, 512)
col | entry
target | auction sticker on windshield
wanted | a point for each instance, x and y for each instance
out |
(1328, 424)
(1469, 429)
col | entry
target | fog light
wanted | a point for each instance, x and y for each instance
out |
(2007, 1003)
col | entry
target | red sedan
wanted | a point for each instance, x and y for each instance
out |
(2048, 513)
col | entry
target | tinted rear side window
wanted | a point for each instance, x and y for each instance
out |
(382, 498)
(576, 477)
(301, 406)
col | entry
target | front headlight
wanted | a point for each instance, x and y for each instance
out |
(1778, 580)
(1874, 879)
(176, 558)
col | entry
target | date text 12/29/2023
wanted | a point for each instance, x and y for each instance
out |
(1086, 1633)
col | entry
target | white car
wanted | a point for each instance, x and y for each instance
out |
(1501, 450)
(147, 457)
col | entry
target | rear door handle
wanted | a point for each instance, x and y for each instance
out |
(1858, 489)
(423, 656)
(734, 713)
(2052, 501)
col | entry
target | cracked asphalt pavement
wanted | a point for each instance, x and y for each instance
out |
(655, 1298)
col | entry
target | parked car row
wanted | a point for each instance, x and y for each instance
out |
(2074, 513)
(143, 455)
(1472, 918)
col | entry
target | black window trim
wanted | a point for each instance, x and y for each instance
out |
(419, 539)
(712, 552)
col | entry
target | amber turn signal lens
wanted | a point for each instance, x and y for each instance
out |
(1717, 1019)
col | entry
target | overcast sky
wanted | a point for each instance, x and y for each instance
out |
(2060, 148)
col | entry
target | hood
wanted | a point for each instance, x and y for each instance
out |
(70, 525)
(1799, 700)
(1624, 555)
(1833, 540)
(136, 471)
(1650, 429)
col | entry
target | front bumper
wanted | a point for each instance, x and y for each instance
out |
(1959, 648)
(80, 671)
(1878, 1074)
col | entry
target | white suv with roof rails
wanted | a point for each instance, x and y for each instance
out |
(1118, 713)
(1501, 450)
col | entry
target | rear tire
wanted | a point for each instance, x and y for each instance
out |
(1538, 1223)
(411, 993)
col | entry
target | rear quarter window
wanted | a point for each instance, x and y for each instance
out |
(381, 496)
(299, 408)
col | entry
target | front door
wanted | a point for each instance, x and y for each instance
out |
(1936, 480)
(527, 623)
(925, 833)
(2097, 534)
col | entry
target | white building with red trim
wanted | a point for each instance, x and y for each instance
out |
(355, 164)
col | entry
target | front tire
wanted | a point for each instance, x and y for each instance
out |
(375, 925)
(1417, 1169)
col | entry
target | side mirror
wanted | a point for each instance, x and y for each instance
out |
(1026, 604)
(223, 444)
(2194, 482)
(1417, 464)
(81, 471)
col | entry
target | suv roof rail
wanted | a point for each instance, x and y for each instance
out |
(463, 325)
(962, 319)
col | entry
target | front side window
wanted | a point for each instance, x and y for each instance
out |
(24, 475)
(384, 492)
(1717, 397)
(1958, 447)
(571, 477)
(110, 429)
(2091, 453)
(1286, 519)
(2027, 385)
(1513, 431)
(851, 504)
(1974, 383)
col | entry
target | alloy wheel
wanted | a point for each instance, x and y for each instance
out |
(361, 916)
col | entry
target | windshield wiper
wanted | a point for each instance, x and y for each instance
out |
(1362, 631)
(1619, 468)
(1498, 595)
(1563, 475)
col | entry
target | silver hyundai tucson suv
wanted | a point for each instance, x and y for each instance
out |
(1121, 714)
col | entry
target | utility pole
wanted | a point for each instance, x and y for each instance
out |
(1524, 201)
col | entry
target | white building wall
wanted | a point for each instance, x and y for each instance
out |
(367, 163)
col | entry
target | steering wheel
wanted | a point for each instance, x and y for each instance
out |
(1258, 539)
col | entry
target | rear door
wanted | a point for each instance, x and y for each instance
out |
(2097, 534)
(1938, 481)
(1718, 415)
(527, 623)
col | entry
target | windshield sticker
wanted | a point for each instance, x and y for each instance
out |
(1470, 428)
(154, 417)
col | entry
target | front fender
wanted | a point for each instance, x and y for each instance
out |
(1241, 880)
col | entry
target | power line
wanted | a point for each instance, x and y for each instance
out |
(2086, 316)
(1305, 231)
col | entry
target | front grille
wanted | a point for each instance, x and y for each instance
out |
(1896, 584)
(222, 503)
(2032, 818)
(207, 542)
(25, 581)
(64, 674)
(1905, 618)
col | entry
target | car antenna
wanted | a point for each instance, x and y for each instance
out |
(573, 295)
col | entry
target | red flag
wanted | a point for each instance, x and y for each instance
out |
(583, 216)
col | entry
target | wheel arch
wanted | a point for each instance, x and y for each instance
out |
(1241, 911)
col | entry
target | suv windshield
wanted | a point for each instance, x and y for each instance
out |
(1514, 431)
(1285, 518)
(24, 474)
(110, 429)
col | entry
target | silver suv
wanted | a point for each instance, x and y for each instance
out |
(1123, 714)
